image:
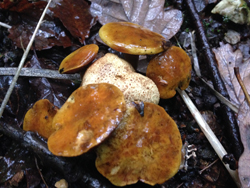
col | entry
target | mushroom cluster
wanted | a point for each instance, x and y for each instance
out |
(133, 144)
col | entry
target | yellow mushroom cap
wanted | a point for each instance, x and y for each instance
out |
(146, 149)
(169, 70)
(131, 38)
(39, 118)
(77, 60)
(89, 115)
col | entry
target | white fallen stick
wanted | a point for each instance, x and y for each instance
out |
(44, 73)
(5, 25)
(25, 54)
(219, 149)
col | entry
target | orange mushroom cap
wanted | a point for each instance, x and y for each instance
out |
(89, 115)
(77, 60)
(39, 118)
(169, 70)
(131, 38)
(146, 149)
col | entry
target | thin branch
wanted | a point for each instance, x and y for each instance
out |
(41, 175)
(227, 114)
(242, 85)
(208, 166)
(194, 54)
(12, 85)
(44, 73)
(5, 25)
(215, 143)
(222, 98)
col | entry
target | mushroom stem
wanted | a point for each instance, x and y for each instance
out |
(132, 59)
(219, 149)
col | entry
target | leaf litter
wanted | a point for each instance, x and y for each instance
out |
(193, 181)
(228, 59)
(147, 13)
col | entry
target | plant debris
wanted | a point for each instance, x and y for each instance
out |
(147, 13)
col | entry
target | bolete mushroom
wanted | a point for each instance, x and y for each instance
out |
(39, 118)
(77, 60)
(146, 149)
(169, 70)
(114, 70)
(89, 115)
(131, 38)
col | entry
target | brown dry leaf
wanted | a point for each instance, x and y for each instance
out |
(48, 35)
(24, 7)
(244, 161)
(147, 13)
(75, 16)
(227, 59)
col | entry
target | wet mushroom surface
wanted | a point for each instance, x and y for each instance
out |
(142, 148)
(131, 38)
(169, 70)
(39, 118)
(89, 115)
(79, 59)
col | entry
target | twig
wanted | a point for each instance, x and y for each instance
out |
(46, 73)
(208, 166)
(12, 85)
(242, 85)
(227, 114)
(194, 54)
(5, 25)
(179, 185)
(219, 149)
(40, 173)
(198, 73)
(69, 167)
(222, 98)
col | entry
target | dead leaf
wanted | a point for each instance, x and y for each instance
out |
(75, 16)
(200, 5)
(148, 13)
(25, 7)
(244, 161)
(16, 178)
(48, 35)
(228, 59)
(56, 91)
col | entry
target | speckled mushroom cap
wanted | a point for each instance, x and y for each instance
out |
(114, 70)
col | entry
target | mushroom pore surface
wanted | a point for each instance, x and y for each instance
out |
(114, 70)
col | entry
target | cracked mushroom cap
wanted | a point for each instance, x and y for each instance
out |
(77, 60)
(89, 115)
(39, 118)
(169, 70)
(146, 149)
(131, 38)
(114, 70)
